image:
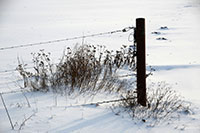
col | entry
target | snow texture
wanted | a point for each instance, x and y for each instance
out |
(173, 44)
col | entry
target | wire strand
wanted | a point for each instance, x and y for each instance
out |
(13, 70)
(66, 39)
(86, 104)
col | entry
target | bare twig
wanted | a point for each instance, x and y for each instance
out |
(7, 112)
(29, 105)
(26, 119)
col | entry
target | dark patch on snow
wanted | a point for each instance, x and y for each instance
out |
(161, 38)
(164, 28)
(187, 6)
(156, 33)
(143, 120)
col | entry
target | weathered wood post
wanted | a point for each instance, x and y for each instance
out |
(141, 61)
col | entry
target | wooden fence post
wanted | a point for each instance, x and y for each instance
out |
(141, 61)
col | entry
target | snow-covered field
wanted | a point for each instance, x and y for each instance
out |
(176, 60)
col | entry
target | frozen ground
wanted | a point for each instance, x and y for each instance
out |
(176, 60)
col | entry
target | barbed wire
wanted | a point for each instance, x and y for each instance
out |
(16, 91)
(97, 103)
(66, 39)
(118, 76)
(6, 71)
(86, 104)
(13, 70)
(11, 82)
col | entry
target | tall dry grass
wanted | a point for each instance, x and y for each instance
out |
(87, 68)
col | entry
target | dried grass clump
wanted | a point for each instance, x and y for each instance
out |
(88, 68)
(163, 104)
(41, 77)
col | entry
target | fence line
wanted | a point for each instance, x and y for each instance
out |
(97, 103)
(13, 70)
(86, 104)
(11, 81)
(66, 39)
(16, 91)
(6, 71)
